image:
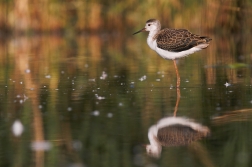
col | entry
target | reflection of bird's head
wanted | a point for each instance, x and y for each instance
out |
(154, 151)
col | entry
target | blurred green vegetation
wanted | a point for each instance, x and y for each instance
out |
(108, 16)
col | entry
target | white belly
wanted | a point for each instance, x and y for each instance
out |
(170, 55)
(175, 55)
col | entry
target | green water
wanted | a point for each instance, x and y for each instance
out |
(91, 99)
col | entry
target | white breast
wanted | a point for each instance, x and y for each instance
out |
(152, 43)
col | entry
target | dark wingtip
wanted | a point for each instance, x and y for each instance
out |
(206, 38)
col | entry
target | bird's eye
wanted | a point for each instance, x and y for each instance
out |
(148, 24)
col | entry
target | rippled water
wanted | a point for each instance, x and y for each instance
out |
(90, 100)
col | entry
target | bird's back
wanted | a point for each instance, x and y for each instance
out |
(177, 40)
(177, 135)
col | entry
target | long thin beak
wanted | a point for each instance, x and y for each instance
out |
(142, 30)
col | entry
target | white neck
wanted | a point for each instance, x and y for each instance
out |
(153, 33)
(152, 135)
(150, 40)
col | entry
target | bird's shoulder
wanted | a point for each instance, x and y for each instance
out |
(171, 33)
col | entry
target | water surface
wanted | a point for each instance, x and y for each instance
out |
(89, 101)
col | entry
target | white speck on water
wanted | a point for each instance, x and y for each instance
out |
(27, 70)
(73, 89)
(99, 97)
(187, 80)
(18, 96)
(115, 76)
(143, 78)
(158, 80)
(41, 145)
(104, 75)
(48, 76)
(17, 128)
(91, 80)
(25, 97)
(86, 65)
(40, 106)
(227, 84)
(31, 88)
(13, 81)
(6, 86)
(21, 83)
(62, 72)
(95, 113)
(120, 104)
(163, 76)
(171, 87)
(69, 109)
(218, 108)
(21, 101)
(56, 89)
(44, 86)
(110, 115)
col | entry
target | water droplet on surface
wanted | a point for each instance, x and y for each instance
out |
(17, 128)
(143, 78)
(69, 109)
(96, 113)
(104, 75)
(48, 76)
(41, 145)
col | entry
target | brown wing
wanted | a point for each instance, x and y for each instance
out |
(177, 135)
(177, 40)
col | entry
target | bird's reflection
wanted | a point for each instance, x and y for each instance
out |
(173, 131)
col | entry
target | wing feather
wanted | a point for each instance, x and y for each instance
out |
(177, 40)
(177, 135)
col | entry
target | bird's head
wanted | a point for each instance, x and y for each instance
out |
(153, 151)
(151, 25)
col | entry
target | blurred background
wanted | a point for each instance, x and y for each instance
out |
(78, 90)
